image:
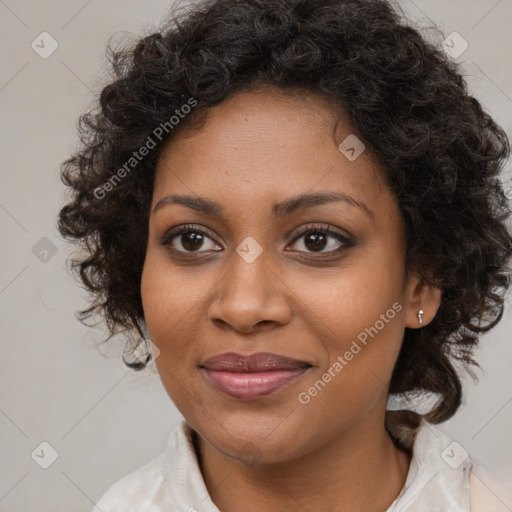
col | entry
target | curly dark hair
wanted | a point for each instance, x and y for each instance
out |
(406, 100)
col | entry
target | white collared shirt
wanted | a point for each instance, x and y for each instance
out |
(438, 479)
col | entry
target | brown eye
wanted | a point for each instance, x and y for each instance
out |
(195, 239)
(322, 240)
(190, 238)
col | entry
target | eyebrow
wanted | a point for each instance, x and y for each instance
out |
(279, 210)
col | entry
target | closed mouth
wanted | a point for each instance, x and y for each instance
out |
(254, 376)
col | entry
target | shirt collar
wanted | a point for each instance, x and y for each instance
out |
(438, 477)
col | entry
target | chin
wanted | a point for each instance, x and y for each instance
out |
(255, 438)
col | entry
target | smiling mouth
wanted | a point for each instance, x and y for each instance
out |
(254, 376)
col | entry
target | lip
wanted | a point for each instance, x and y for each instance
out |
(253, 376)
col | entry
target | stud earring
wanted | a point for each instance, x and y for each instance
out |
(420, 316)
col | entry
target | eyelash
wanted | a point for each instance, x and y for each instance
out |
(190, 228)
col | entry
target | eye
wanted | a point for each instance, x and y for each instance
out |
(192, 238)
(316, 239)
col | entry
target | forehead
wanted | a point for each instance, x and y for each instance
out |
(268, 145)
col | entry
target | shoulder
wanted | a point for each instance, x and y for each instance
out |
(482, 498)
(148, 487)
(439, 472)
(477, 504)
(135, 491)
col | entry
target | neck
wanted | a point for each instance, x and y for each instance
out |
(360, 469)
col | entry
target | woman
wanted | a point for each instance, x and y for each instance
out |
(298, 203)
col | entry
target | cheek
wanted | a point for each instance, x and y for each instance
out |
(172, 301)
(347, 303)
(165, 312)
(369, 327)
(362, 326)
(356, 377)
(171, 296)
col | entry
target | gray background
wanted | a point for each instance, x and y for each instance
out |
(103, 420)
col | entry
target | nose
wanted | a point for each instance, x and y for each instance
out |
(251, 297)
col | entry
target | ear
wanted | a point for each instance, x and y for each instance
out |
(420, 295)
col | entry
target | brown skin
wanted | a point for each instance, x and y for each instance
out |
(254, 150)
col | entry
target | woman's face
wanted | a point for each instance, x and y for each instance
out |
(263, 281)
